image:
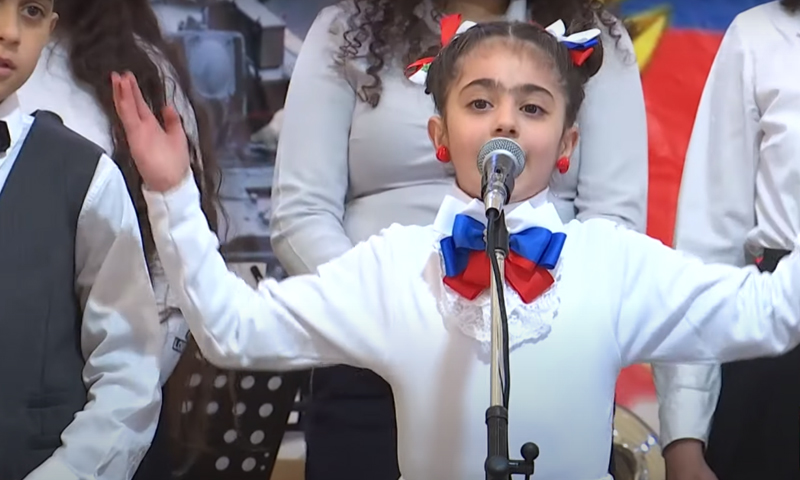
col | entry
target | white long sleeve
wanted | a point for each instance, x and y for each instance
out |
(687, 397)
(672, 307)
(716, 208)
(338, 316)
(612, 176)
(675, 308)
(714, 218)
(311, 169)
(120, 339)
(53, 87)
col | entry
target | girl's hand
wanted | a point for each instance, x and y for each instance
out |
(685, 461)
(161, 154)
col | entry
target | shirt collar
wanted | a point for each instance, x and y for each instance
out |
(11, 113)
(537, 211)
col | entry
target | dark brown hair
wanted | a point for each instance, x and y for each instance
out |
(105, 36)
(383, 31)
(791, 5)
(447, 65)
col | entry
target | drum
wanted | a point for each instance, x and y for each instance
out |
(637, 454)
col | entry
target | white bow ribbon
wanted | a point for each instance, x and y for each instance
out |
(559, 30)
(421, 76)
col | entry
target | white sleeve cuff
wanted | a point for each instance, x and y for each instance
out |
(687, 397)
(176, 204)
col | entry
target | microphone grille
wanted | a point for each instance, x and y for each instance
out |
(505, 145)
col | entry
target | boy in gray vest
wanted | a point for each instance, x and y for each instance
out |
(80, 340)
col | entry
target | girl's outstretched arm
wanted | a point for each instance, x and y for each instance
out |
(343, 314)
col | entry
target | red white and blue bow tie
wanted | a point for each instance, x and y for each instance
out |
(532, 253)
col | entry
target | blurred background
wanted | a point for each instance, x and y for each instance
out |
(241, 54)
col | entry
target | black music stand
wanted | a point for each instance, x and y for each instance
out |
(246, 435)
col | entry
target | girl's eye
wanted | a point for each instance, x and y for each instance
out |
(33, 11)
(479, 104)
(532, 109)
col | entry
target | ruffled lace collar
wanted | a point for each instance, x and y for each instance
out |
(527, 322)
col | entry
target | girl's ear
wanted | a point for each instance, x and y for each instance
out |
(436, 132)
(568, 142)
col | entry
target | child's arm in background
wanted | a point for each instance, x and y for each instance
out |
(120, 339)
(715, 215)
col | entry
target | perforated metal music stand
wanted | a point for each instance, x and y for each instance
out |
(246, 435)
(246, 432)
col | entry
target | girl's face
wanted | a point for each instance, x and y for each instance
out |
(505, 90)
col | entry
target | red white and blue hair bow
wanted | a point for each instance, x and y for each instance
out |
(451, 27)
(580, 44)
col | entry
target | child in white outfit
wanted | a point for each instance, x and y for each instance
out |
(583, 299)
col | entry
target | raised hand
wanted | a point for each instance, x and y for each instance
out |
(161, 154)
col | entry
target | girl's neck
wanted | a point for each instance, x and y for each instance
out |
(478, 10)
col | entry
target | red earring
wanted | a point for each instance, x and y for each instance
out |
(443, 154)
(562, 165)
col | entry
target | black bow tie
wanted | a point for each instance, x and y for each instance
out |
(5, 137)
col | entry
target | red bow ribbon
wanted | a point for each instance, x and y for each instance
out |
(524, 276)
(579, 57)
(449, 27)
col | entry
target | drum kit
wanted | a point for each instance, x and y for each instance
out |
(637, 454)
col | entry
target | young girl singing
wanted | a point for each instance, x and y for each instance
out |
(584, 299)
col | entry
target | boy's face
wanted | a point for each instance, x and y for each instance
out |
(25, 27)
(505, 91)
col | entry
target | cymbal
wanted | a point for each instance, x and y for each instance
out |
(637, 454)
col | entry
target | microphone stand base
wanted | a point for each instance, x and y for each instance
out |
(498, 465)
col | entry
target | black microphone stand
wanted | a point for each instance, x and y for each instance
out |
(498, 465)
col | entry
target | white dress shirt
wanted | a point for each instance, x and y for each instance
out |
(345, 170)
(120, 337)
(619, 298)
(53, 87)
(741, 181)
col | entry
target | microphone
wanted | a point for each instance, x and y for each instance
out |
(500, 161)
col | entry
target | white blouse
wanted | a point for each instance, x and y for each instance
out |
(619, 298)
